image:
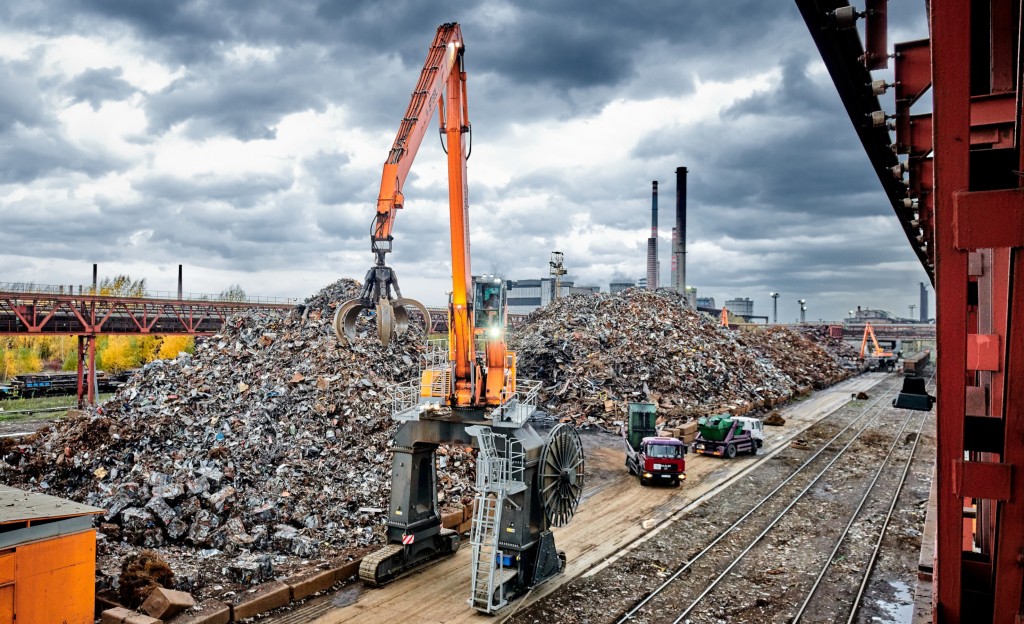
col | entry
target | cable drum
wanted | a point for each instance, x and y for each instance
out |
(560, 475)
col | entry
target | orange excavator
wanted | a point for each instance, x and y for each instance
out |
(441, 87)
(879, 357)
(466, 392)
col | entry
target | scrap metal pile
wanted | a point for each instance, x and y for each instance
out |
(793, 352)
(270, 444)
(593, 353)
(271, 438)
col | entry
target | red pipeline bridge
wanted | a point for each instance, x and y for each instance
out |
(890, 332)
(52, 310)
(46, 310)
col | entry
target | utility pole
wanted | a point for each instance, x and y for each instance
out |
(775, 307)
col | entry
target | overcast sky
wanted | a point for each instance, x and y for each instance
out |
(245, 141)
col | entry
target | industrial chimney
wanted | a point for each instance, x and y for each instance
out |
(652, 242)
(924, 303)
(679, 240)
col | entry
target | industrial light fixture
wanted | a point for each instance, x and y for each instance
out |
(879, 87)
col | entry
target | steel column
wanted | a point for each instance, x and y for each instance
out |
(93, 385)
(79, 362)
(951, 37)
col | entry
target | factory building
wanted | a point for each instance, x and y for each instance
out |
(525, 296)
(740, 306)
(617, 287)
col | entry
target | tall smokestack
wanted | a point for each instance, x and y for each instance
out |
(924, 303)
(179, 283)
(672, 279)
(652, 242)
(679, 241)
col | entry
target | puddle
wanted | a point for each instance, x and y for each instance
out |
(900, 608)
(347, 595)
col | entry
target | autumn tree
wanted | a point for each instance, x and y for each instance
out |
(174, 344)
(234, 292)
(122, 286)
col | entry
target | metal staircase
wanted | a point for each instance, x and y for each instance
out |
(499, 474)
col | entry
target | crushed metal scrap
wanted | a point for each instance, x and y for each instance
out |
(271, 439)
(594, 353)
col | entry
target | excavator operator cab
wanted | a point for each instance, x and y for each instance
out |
(489, 303)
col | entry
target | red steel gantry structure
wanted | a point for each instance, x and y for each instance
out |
(961, 206)
(48, 311)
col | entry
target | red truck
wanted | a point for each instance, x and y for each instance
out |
(654, 459)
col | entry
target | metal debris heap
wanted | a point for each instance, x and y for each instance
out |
(272, 437)
(594, 353)
(794, 353)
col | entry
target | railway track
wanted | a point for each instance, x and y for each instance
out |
(720, 581)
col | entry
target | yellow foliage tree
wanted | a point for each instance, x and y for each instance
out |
(123, 286)
(148, 348)
(120, 354)
(175, 344)
(8, 364)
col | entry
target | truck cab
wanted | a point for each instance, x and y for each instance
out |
(660, 460)
(651, 457)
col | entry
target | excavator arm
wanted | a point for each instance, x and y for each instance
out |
(442, 72)
(443, 60)
(489, 379)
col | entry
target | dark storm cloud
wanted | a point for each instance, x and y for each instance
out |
(335, 181)
(241, 191)
(778, 177)
(27, 156)
(21, 102)
(97, 86)
(761, 180)
(245, 102)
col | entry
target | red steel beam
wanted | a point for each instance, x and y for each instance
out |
(1009, 548)
(34, 313)
(950, 23)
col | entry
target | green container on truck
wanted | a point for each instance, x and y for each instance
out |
(715, 427)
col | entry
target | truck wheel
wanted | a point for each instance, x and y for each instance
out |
(730, 451)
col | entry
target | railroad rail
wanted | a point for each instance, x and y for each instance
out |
(829, 563)
(663, 592)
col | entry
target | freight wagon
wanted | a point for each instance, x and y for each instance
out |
(915, 364)
(29, 385)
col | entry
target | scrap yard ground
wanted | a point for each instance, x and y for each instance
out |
(264, 457)
(620, 522)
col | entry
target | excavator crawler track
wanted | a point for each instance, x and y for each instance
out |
(387, 564)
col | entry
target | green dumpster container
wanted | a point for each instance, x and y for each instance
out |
(642, 422)
(715, 428)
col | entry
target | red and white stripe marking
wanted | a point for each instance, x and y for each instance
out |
(407, 539)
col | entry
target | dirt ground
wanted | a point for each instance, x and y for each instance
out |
(603, 536)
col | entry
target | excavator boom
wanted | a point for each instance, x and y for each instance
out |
(475, 382)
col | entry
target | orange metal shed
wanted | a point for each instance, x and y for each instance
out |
(47, 559)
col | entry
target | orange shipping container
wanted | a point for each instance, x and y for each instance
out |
(47, 559)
